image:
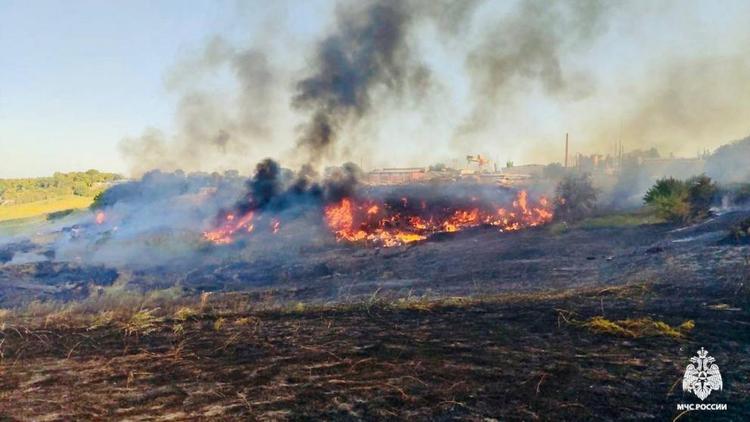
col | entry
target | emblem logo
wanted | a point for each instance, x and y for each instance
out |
(702, 375)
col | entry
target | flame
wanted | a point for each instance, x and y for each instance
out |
(100, 217)
(401, 222)
(376, 223)
(224, 233)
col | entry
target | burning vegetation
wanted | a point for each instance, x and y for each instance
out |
(140, 287)
(223, 234)
(376, 215)
(393, 223)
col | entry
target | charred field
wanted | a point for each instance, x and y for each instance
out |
(375, 210)
(588, 321)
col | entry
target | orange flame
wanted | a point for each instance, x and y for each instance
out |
(369, 222)
(378, 223)
(232, 224)
(100, 217)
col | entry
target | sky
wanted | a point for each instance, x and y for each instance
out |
(83, 83)
(78, 76)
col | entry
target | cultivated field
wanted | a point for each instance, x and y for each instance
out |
(38, 208)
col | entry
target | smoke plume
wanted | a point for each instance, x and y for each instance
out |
(687, 105)
(417, 82)
(274, 189)
(529, 49)
(213, 127)
(368, 50)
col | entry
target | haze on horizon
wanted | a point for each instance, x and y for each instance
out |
(215, 85)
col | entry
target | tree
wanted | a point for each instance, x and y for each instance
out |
(22, 191)
(682, 201)
(669, 197)
(575, 197)
(701, 193)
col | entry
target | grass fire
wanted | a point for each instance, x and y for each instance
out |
(404, 220)
(394, 220)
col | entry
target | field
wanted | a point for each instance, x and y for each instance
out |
(505, 357)
(38, 208)
(595, 321)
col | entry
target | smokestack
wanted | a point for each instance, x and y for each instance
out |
(566, 150)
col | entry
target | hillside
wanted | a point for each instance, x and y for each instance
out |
(23, 198)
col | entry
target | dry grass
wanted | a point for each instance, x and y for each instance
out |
(102, 319)
(31, 209)
(219, 324)
(639, 327)
(242, 321)
(142, 323)
(447, 359)
(185, 313)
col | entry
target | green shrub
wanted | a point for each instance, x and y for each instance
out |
(682, 201)
(701, 193)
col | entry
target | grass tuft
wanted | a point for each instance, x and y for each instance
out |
(142, 323)
(219, 324)
(185, 313)
(102, 319)
(636, 328)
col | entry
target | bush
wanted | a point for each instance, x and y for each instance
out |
(575, 197)
(740, 232)
(701, 193)
(669, 197)
(682, 201)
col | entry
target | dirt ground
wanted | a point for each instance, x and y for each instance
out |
(510, 357)
(475, 262)
(394, 341)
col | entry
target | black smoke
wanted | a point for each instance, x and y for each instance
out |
(273, 189)
(369, 49)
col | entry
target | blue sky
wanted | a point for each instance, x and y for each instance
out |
(76, 77)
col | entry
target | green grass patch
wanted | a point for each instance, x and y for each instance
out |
(23, 225)
(621, 220)
(613, 221)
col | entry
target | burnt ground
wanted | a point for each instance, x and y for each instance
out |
(512, 357)
(474, 262)
(361, 353)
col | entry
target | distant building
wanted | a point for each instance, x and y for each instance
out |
(393, 176)
(528, 170)
(598, 163)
